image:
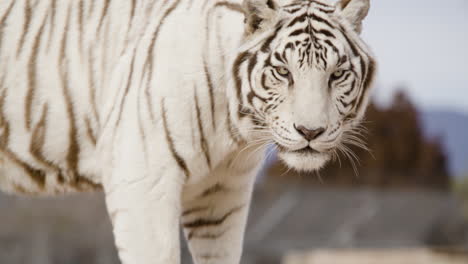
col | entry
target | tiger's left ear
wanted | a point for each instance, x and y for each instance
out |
(259, 14)
(354, 11)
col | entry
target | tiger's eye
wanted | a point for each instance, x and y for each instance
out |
(282, 71)
(337, 74)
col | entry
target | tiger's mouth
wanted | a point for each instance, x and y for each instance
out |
(304, 159)
(305, 151)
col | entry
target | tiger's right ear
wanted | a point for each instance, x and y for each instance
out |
(259, 14)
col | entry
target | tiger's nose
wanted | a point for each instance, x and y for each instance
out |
(309, 134)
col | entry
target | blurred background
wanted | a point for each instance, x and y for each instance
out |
(405, 202)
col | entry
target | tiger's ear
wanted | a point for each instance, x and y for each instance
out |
(259, 14)
(354, 11)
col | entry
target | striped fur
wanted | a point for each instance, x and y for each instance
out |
(168, 105)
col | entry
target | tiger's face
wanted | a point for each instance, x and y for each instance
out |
(303, 77)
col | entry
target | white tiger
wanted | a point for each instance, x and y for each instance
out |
(168, 105)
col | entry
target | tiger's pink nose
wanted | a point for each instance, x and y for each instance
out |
(309, 134)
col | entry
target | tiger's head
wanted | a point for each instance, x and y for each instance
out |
(302, 77)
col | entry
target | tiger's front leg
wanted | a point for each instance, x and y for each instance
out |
(145, 218)
(143, 195)
(214, 218)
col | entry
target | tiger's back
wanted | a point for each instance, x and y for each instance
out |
(64, 66)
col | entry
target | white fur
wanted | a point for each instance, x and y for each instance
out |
(138, 132)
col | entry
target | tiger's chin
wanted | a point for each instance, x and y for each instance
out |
(306, 161)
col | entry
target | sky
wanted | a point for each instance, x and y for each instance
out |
(422, 47)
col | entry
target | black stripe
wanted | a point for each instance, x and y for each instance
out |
(352, 103)
(141, 128)
(202, 222)
(295, 4)
(195, 210)
(348, 92)
(208, 236)
(250, 67)
(364, 72)
(52, 23)
(180, 161)
(127, 89)
(27, 22)
(270, 106)
(271, 4)
(203, 143)
(279, 57)
(344, 3)
(322, 4)
(132, 12)
(38, 140)
(321, 57)
(90, 8)
(73, 146)
(210, 93)
(253, 95)
(130, 22)
(81, 183)
(237, 79)
(263, 82)
(276, 76)
(290, 46)
(325, 10)
(80, 24)
(298, 32)
(345, 104)
(367, 81)
(32, 78)
(217, 188)
(3, 20)
(322, 20)
(350, 43)
(92, 85)
(335, 49)
(38, 176)
(4, 126)
(342, 60)
(339, 111)
(231, 6)
(325, 32)
(231, 129)
(298, 19)
(344, 79)
(90, 132)
(293, 10)
(149, 99)
(150, 57)
(266, 45)
(103, 14)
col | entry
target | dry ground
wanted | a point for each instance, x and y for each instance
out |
(396, 256)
